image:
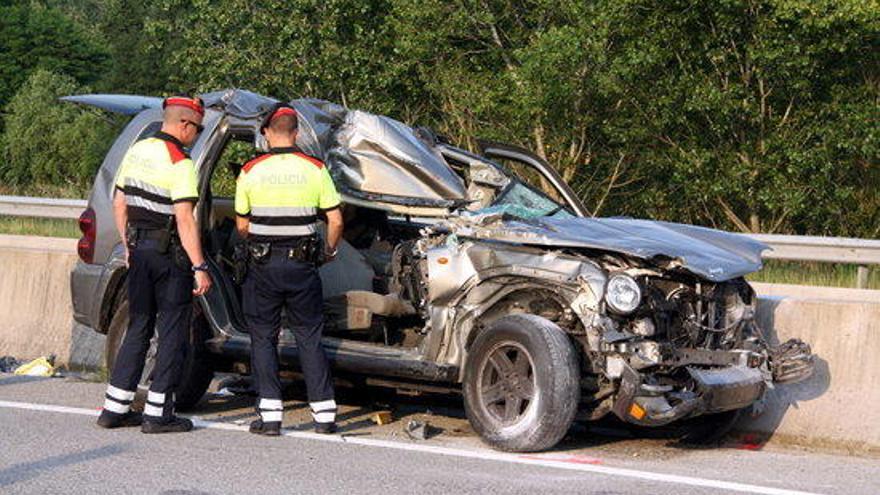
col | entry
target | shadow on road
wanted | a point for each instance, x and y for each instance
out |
(19, 379)
(29, 470)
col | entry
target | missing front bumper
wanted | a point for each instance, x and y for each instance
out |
(716, 390)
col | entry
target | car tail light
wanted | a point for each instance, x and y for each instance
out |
(86, 245)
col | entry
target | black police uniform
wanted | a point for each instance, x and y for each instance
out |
(281, 192)
(155, 174)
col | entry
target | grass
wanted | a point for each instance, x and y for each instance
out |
(813, 273)
(49, 227)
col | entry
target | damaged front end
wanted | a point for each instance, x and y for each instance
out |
(688, 347)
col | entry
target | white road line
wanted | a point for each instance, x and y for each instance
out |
(530, 460)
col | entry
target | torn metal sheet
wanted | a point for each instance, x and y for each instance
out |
(380, 155)
(238, 103)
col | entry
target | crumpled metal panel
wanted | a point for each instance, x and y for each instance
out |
(712, 254)
(318, 119)
(377, 154)
(374, 156)
(238, 102)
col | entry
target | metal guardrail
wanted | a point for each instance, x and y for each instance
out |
(861, 252)
(24, 206)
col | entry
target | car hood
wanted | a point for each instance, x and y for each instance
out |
(712, 254)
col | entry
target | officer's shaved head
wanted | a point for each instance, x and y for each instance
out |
(182, 117)
(175, 114)
(280, 126)
(284, 124)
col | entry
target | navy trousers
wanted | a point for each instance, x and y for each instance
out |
(160, 299)
(294, 286)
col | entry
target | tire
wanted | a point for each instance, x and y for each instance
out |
(521, 384)
(196, 373)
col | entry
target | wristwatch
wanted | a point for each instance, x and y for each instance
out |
(200, 268)
(331, 253)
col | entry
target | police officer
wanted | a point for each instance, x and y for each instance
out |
(156, 190)
(277, 200)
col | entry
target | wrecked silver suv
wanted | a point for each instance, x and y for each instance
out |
(456, 271)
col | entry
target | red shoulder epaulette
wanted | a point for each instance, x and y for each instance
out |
(315, 161)
(249, 165)
(176, 153)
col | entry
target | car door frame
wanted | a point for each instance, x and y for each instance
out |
(494, 150)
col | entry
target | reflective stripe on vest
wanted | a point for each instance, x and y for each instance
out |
(284, 220)
(148, 196)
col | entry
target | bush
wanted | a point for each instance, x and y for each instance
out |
(50, 146)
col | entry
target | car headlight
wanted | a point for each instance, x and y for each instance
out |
(623, 294)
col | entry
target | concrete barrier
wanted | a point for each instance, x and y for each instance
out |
(35, 308)
(837, 407)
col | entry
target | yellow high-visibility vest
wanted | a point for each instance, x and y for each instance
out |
(281, 192)
(155, 174)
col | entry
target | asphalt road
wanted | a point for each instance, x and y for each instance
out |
(50, 445)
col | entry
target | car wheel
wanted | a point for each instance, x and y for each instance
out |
(196, 373)
(521, 384)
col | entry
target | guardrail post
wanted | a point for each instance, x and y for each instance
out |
(862, 277)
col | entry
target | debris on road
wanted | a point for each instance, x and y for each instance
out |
(382, 417)
(235, 385)
(8, 364)
(420, 430)
(224, 392)
(41, 366)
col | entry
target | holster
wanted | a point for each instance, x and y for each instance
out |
(259, 252)
(131, 235)
(162, 237)
(240, 258)
(306, 250)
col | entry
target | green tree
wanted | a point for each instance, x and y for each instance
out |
(51, 147)
(34, 37)
(752, 115)
(334, 49)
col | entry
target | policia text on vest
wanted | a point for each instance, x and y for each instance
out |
(277, 201)
(153, 208)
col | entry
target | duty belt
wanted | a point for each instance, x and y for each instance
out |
(164, 237)
(304, 249)
(147, 234)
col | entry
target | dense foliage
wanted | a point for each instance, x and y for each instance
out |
(49, 148)
(759, 115)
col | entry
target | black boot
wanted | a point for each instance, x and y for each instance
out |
(325, 428)
(109, 419)
(268, 428)
(175, 424)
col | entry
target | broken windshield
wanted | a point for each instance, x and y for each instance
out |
(522, 201)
